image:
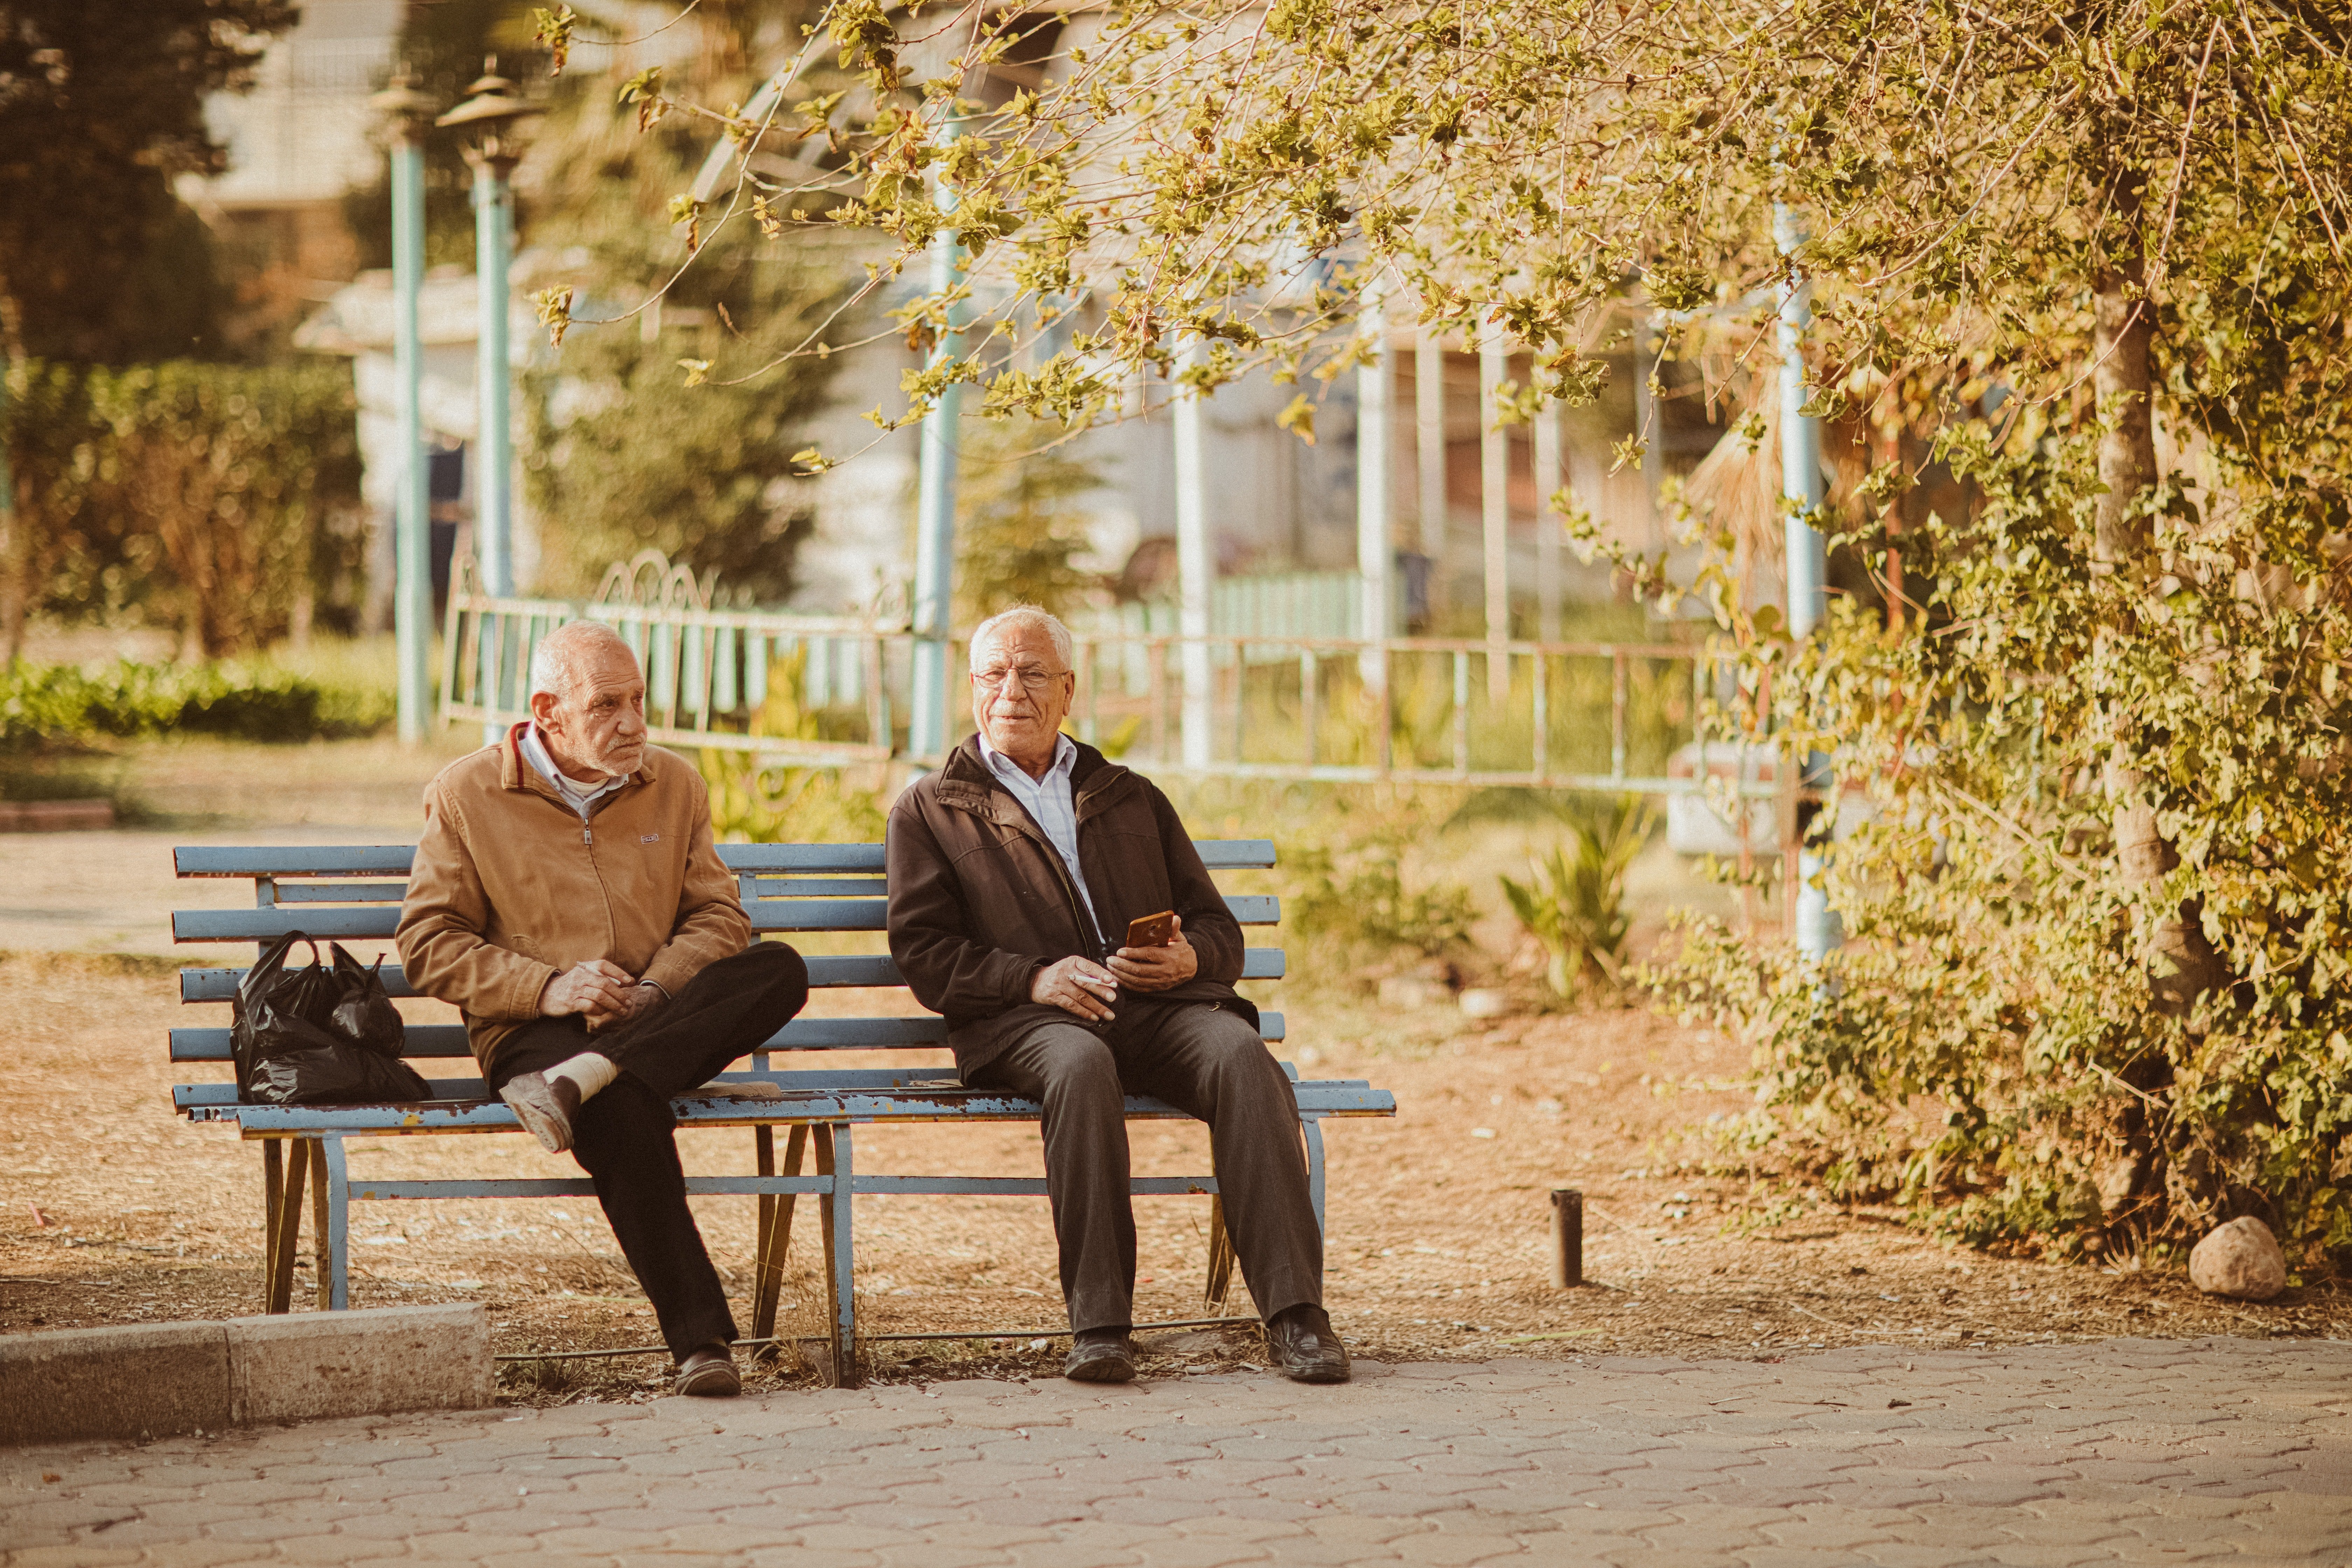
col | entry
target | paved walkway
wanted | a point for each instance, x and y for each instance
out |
(2136, 1451)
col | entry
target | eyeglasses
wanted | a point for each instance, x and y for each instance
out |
(1032, 679)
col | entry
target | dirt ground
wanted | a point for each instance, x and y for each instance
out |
(118, 1212)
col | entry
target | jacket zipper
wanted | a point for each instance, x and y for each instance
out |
(1078, 919)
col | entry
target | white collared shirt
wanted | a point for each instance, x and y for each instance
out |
(577, 795)
(1050, 801)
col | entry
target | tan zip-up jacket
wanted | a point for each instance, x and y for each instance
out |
(509, 887)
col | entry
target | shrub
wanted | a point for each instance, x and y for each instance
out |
(1353, 892)
(52, 707)
(1573, 902)
(2095, 993)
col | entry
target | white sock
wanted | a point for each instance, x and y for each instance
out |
(588, 1072)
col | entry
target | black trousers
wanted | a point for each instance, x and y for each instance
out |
(1204, 1060)
(625, 1140)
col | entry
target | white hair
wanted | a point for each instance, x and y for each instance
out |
(555, 662)
(1026, 615)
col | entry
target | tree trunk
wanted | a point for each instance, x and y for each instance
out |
(2181, 964)
(14, 544)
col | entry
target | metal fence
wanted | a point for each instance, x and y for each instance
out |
(831, 691)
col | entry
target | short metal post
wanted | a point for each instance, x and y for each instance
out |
(1566, 1237)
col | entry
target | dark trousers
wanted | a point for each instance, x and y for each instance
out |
(1206, 1061)
(624, 1137)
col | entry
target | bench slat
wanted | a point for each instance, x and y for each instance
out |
(292, 859)
(342, 892)
(1316, 1099)
(219, 1096)
(447, 1041)
(812, 886)
(344, 860)
(379, 922)
(726, 1186)
(826, 972)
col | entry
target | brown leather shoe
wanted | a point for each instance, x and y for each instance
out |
(545, 1106)
(1100, 1355)
(1303, 1348)
(710, 1373)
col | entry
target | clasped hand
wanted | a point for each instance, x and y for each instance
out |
(605, 991)
(1081, 986)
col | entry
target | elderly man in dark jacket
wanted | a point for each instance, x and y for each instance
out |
(1014, 871)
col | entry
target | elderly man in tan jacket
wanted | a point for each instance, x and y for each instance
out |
(566, 896)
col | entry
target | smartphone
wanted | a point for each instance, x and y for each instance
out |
(1152, 930)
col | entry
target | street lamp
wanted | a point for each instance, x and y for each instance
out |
(493, 112)
(409, 113)
(494, 115)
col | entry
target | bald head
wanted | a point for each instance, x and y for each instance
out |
(555, 663)
(588, 697)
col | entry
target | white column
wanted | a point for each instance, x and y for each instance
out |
(1375, 551)
(1650, 423)
(1195, 568)
(1550, 480)
(1495, 506)
(933, 617)
(412, 608)
(1428, 447)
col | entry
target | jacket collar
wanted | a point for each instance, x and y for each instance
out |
(515, 772)
(968, 784)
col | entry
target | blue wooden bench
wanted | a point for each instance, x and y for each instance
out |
(353, 894)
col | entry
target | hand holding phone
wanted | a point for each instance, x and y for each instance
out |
(1156, 957)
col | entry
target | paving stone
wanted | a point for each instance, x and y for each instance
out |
(2051, 1455)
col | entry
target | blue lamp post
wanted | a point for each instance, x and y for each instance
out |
(1802, 489)
(492, 110)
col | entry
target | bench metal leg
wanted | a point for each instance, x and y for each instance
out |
(281, 1188)
(335, 1290)
(775, 1230)
(322, 1262)
(834, 1159)
(1314, 1132)
(1219, 1288)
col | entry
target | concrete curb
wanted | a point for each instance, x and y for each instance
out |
(151, 1381)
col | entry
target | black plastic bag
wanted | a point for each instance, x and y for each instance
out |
(363, 1012)
(311, 1037)
(338, 1073)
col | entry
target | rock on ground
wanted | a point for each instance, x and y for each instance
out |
(2241, 1258)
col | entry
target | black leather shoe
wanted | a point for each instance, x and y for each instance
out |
(1100, 1355)
(709, 1372)
(1303, 1348)
(545, 1106)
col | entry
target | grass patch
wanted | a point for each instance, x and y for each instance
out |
(97, 965)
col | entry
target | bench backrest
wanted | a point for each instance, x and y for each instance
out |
(348, 893)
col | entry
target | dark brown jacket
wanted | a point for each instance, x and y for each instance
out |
(979, 901)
